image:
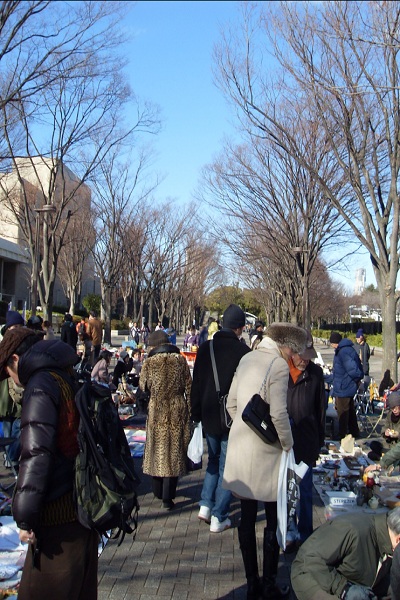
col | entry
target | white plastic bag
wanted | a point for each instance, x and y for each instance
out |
(290, 475)
(195, 448)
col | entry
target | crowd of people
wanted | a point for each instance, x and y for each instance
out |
(349, 557)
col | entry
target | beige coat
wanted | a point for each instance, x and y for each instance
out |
(252, 466)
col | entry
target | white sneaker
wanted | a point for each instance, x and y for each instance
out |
(204, 514)
(219, 526)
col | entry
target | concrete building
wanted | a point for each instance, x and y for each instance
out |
(31, 184)
(359, 284)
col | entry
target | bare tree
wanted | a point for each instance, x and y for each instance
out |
(118, 193)
(277, 213)
(73, 260)
(38, 37)
(68, 128)
(338, 60)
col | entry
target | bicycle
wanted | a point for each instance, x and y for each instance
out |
(365, 408)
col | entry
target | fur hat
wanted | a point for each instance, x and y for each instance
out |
(157, 338)
(286, 334)
(11, 341)
(335, 338)
(393, 399)
(309, 353)
(233, 317)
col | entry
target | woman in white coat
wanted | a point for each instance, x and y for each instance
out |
(252, 466)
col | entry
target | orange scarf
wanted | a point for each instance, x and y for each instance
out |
(294, 371)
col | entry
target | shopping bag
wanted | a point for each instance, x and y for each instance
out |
(195, 449)
(290, 475)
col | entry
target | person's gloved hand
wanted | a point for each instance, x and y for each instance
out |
(358, 592)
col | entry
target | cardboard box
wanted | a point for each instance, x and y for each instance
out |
(341, 498)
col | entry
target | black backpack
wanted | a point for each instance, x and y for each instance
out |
(105, 478)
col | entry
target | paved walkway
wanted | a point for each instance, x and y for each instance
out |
(174, 554)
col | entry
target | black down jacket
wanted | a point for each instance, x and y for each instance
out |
(44, 473)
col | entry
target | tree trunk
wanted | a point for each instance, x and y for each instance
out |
(106, 303)
(389, 338)
(150, 323)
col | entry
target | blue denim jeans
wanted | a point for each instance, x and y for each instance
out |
(213, 495)
(12, 428)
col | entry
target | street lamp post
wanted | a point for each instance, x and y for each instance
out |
(46, 208)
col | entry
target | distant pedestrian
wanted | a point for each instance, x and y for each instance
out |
(95, 332)
(68, 332)
(48, 331)
(363, 350)
(215, 501)
(165, 375)
(347, 375)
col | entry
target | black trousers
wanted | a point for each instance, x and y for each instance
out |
(248, 517)
(164, 488)
(346, 411)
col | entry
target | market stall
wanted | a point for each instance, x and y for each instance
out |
(342, 485)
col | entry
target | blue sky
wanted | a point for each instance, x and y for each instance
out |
(170, 56)
(171, 65)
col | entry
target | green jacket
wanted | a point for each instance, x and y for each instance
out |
(346, 549)
(9, 408)
(390, 457)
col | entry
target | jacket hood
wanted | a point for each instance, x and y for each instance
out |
(344, 342)
(46, 355)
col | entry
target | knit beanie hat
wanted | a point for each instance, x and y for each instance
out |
(9, 344)
(13, 317)
(335, 338)
(157, 338)
(233, 317)
(360, 333)
(286, 334)
(393, 399)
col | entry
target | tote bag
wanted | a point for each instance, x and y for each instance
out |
(290, 475)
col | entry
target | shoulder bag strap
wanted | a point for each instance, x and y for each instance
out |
(214, 367)
(266, 375)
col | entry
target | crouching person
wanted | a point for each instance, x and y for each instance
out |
(61, 561)
(349, 558)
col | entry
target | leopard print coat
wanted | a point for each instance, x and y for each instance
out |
(166, 375)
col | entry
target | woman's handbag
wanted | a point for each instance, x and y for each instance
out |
(257, 416)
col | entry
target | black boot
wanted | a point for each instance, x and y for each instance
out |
(248, 546)
(270, 590)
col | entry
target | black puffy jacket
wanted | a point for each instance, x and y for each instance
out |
(45, 474)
